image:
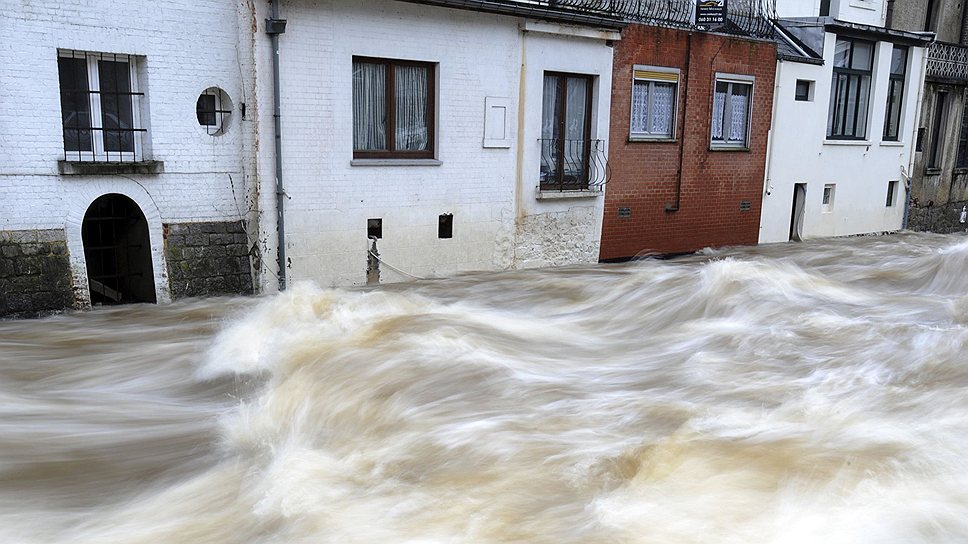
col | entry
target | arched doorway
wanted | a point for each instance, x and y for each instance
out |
(117, 251)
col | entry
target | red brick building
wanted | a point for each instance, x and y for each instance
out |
(690, 117)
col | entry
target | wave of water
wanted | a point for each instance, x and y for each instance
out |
(791, 393)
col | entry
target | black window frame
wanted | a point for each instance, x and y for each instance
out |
(961, 161)
(390, 111)
(852, 75)
(896, 81)
(807, 84)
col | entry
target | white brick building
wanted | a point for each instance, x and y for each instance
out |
(484, 178)
(99, 98)
(140, 157)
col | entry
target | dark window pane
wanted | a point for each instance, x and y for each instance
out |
(803, 90)
(842, 54)
(369, 106)
(861, 58)
(893, 121)
(75, 103)
(205, 110)
(963, 141)
(116, 113)
(898, 60)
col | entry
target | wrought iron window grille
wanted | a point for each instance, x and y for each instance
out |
(572, 165)
(101, 106)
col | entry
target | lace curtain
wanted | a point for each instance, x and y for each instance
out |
(369, 106)
(739, 113)
(658, 121)
(640, 106)
(735, 97)
(719, 110)
(411, 132)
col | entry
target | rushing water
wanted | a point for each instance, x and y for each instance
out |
(796, 393)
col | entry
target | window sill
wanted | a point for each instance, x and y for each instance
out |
(640, 139)
(932, 171)
(551, 194)
(848, 142)
(395, 162)
(728, 148)
(892, 144)
(82, 168)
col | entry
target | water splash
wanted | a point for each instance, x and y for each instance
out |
(779, 394)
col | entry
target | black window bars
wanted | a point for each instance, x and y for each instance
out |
(101, 107)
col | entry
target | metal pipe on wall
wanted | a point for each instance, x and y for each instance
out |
(274, 27)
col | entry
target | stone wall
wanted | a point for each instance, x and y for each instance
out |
(35, 273)
(207, 259)
(941, 218)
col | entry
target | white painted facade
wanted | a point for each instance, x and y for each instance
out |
(181, 48)
(857, 172)
(499, 220)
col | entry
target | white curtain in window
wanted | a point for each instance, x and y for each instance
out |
(412, 132)
(640, 106)
(663, 106)
(719, 108)
(369, 106)
(738, 114)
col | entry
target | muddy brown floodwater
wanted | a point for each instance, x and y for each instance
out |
(794, 393)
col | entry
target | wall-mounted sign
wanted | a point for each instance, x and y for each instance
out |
(710, 13)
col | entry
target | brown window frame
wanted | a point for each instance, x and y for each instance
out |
(391, 113)
(561, 112)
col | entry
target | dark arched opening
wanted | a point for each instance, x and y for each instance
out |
(117, 251)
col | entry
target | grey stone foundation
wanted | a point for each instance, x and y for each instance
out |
(942, 218)
(35, 273)
(207, 259)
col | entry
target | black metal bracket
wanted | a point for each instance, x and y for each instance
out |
(275, 26)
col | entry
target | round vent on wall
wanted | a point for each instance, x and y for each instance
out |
(213, 109)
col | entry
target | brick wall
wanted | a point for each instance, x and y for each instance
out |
(714, 183)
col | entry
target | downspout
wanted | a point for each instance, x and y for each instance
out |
(274, 27)
(914, 137)
(682, 144)
(768, 178)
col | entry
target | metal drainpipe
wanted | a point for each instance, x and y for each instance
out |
(274, 27)
(682, 143)
(919, 103)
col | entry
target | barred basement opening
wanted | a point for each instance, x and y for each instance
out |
(117, 251)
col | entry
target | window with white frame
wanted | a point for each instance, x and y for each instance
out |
(100, 107)
(654, 99)
(732, 97)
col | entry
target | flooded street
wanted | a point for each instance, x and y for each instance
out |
(794, 393)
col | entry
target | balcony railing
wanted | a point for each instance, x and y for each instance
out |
(572, 165)
(948, 61)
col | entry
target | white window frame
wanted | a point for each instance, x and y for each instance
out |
(738, 79)
(641, 73)
(98, 153)
(827, 197)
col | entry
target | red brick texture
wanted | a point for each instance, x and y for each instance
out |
(714, 183)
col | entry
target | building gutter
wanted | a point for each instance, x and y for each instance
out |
(274, 27)
(857, 30)
(558, 15)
